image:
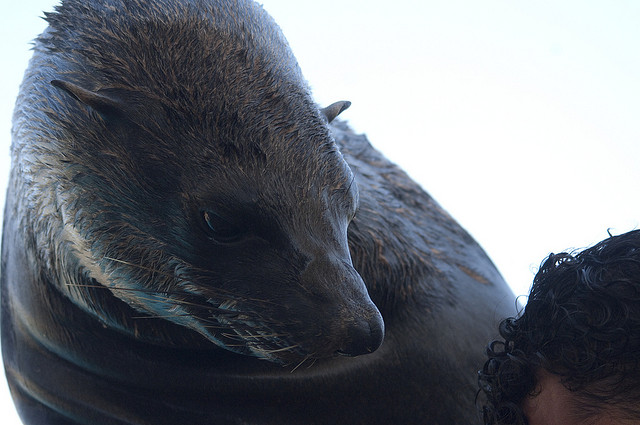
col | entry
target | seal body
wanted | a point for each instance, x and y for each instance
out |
(187, 240)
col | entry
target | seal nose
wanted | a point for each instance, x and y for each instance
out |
(363, 336)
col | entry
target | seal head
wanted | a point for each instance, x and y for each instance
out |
(217, 201)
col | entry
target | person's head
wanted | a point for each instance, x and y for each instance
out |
(573, 354)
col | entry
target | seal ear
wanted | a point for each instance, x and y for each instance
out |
(102, 104)
(335, 109)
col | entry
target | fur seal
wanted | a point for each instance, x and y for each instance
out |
(188, 238)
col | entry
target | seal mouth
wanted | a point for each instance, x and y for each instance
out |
(243, 328)
(341, 353)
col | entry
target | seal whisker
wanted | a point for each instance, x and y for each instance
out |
(234, 337)
(307, 357)
(164, 316)
(140, 266)
(228, 294)
(266, 336)
(279, 350)
(214, 322)
(166, 296)
(218, 327)
(78, 285)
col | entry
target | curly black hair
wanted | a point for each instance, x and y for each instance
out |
(582, 323)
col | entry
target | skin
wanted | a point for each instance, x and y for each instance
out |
(552, 405)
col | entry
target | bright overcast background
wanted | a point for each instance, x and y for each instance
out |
(521, 118)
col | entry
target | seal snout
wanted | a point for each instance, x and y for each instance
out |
(349, 321)
(364, 336)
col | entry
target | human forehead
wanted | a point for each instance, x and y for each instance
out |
(553, 404)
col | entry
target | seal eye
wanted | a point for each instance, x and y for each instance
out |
(221, 230)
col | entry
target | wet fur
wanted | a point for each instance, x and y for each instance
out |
(157, 112)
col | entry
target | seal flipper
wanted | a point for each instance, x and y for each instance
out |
(105, 106)
(335, 109)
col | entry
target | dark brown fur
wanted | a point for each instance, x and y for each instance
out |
(180, 243)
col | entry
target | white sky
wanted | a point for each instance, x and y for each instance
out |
(519, 117)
